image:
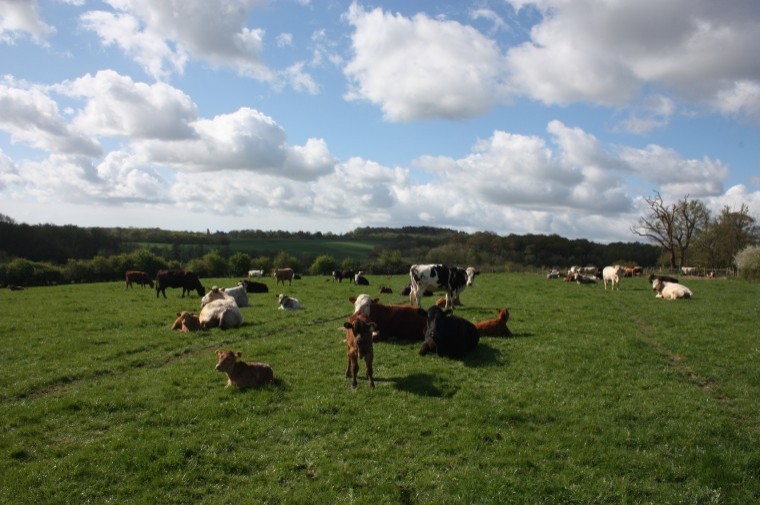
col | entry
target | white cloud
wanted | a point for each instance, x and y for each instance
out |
(22, 17)
(8, 172)
(418, 68)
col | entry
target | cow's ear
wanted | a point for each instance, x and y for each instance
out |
(352, 299)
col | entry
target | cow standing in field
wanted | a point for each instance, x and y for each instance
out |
(241, 374)
(282, 275)
(448, 335)
(612, 276)
(439, 278)
(359, 346)
(255, 273)
(188, 281)
(404, 322)
(138, 277)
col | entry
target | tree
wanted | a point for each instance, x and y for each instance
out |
(674, 226)
(323, 265)
(728, 234)
(239, 263)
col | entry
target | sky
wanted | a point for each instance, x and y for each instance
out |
(505, 116)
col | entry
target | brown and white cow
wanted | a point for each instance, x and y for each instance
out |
(403, 322)
(671, 290)
(359, 335)
(495, 327)
(452, 280)
(241, 374)
(138, 277)
(282, 275)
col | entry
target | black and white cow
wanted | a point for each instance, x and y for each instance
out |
(452, 280)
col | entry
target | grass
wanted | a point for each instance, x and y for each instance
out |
(600, 397)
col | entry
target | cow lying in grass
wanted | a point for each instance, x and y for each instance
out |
(495, 327)
(448, 335)
(359, 333)
(187, 322)
(405, 322)
(287, 303)
(238, 293)
(221, 311)
(670, 290)
(241, 374)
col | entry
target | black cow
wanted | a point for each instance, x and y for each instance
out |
(448, 335)
(188, 281)
(254, 287)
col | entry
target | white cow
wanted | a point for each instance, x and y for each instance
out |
(238, 294)
(439, 278)
(670, 290)
(612, 275)
(223, 313)
(689, 270)
(287, 303)
(255, 273)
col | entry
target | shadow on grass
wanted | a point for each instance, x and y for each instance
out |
(422, 384)
(483, 355)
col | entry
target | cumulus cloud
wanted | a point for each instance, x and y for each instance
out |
(18, 18)
(8, 172)
(418, 68)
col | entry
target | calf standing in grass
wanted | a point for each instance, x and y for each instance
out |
(359, 346)
(241, 374)
(187, 322)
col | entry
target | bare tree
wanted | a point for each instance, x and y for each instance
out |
(674, 226)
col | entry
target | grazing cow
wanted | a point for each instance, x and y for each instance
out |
(187, 322)
(238, 294)
(664, 278)
(554, 274)
(403, 322)
(138, 277)
(255, 273)
(670, 290)
(221, 311)
(439, 278)
(241, 374)
(612, 275)
(495, 327)
(287, 303)
(359, 335)
(448, 335)
(585, 279)
(188, 281)
(282, 275)
(385, 290)
(254, 287)
(689, 270)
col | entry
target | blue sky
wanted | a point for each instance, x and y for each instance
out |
(510, 116)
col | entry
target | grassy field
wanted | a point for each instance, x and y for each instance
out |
(601, 397)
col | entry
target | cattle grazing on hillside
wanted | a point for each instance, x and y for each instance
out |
(452, 280)
(495, 327)
(187, 322)
(282, 275)
(255, 273)
(448, 335)
(611, 275)
(403, 322)
(241, 374)
(287, 303)
(359, 335)
(670, 290)
(664, 278)
(137, 277)
(188, 281)
(238, 293)
(254, 287)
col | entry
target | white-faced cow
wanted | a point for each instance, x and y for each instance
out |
(452, 280)
(612, 276)
(285, 302)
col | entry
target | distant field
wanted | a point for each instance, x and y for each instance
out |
(601, 397)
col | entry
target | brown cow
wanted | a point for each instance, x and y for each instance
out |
(495, 327)
(282, 275)
(241, 374)
(405, 322)
(138, 277)
(359, 334)
(187, 322)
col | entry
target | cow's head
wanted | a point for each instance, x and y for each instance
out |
(471, 273)
(226, 360)
(363, 331)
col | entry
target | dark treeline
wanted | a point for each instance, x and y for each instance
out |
(49, 254)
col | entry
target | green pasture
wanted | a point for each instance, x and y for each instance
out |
(600, 397)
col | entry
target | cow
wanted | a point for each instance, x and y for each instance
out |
(337, 275)
(689, 270)
(254, 287)
(638, 271)
(359, 335)
(554, 274)
(138, 277)
(495, 327)
(403, 322)
(255, 273)
(238, 294)
(385, 290)
(241, 374)
(187, 322)
(585, 279)
(664, 278)
(670, 290)
(448, 335)
(439, 278)
(188, 281)
(627, 271)
(287, 303)
(282, 275)
(221, 311)
(360, 280)
(575, 269)
(612, 275)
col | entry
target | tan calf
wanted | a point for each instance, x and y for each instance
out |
(359, 346)
(187, 322)
(241, 374)
(495, 327)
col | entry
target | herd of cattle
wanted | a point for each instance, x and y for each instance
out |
(440, 331)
